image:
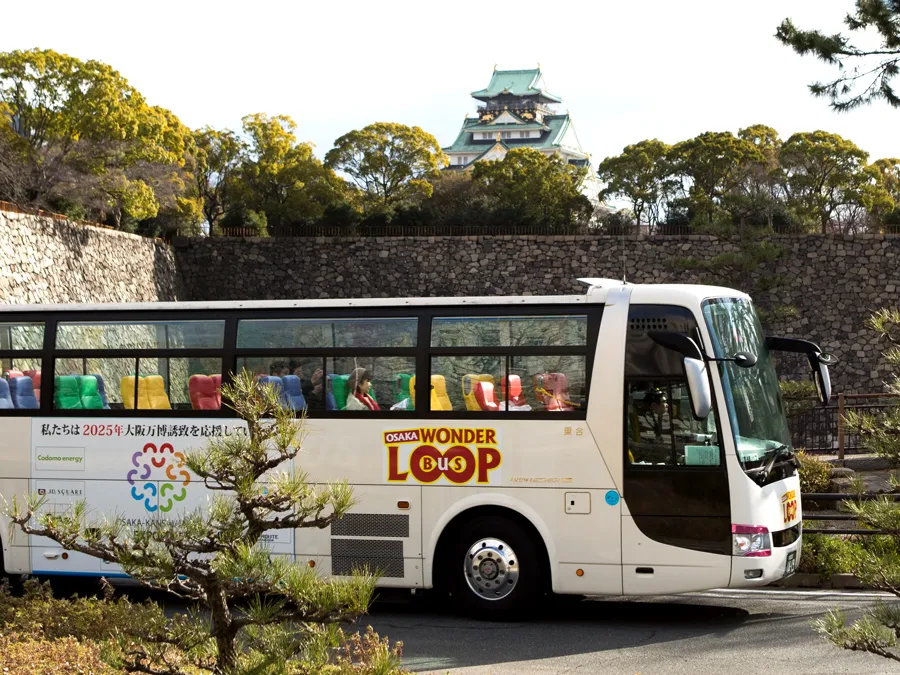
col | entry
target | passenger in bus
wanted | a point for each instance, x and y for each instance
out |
(359, 383)
(313, 387)
(279, 369)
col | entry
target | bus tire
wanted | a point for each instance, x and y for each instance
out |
(494, 568)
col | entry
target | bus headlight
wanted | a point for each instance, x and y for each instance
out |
(751, 541)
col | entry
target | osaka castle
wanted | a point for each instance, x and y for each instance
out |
(514, 111)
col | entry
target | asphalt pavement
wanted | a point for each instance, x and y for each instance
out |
(727, 632)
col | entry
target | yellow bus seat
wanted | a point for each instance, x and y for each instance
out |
(126, 387)
(439, 398)
(155, 387)
(468, 389)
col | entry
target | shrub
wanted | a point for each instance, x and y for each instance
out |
(26, 655)
(815, 475)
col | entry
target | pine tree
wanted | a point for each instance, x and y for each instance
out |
(261, 612)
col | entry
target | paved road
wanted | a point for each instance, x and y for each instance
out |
(725, 632)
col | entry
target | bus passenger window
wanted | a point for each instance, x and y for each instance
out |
(300, 380)
(374, 383)
(180, 383)
(94, 384)
(21, 385)
(466, 383)
(661, 429)
(546, 383)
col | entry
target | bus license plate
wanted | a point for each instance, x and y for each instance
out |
(791, 565)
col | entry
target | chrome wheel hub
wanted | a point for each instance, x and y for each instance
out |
(491, 569)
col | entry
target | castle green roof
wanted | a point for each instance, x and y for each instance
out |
(516, 83)
(557, 125)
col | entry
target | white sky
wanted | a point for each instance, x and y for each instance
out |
(625, 70)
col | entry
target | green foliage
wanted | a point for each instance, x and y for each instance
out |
(40, 633)
(815, 475)
(391, 163)
(281, 177)
(529, 187)
(872, 69)
(826, 174)
(25, 655)
(219, 157)
(882, 432)
(79, 133)
(799, 396)
(640, 176)
(261, 611)
(875, 560)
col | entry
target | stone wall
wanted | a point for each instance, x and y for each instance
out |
(833, 282)
(47, 260)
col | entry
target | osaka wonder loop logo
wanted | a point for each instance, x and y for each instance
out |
(169, 492)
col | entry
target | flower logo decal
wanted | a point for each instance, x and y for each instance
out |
(160, 498)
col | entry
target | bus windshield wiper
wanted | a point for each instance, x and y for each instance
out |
(761, 473)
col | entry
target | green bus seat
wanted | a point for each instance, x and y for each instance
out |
(66, 393)
(89, 391)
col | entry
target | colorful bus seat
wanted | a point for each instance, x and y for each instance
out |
(552, 390)
(403, 389)
(468, 389)
(35, 376)
(439, 398)
(126, 387)
(66, 393)
(516, 397)
(278, 384)
(293, 389)
(217, 382)
(89, 391)
(156, 392)
(101, 389)
(330, 402)
(484, 396)
(6, 402)
(22, 391)
(202, 390)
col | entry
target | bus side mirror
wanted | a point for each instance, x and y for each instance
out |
(822, 378)
(698, 386)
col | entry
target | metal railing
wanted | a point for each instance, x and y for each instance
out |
(9, 207)
(840, 497)
(468, 230)
(822, 430)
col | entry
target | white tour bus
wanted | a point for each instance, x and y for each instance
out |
(631, 440)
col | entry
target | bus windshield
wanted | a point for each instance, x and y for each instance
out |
(752, 395)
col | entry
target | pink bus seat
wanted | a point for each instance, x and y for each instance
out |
(516, 397)
(202, 390)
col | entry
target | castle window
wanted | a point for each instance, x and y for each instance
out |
(506, 134)
(524, 134)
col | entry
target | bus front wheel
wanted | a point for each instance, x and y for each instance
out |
(494, 568)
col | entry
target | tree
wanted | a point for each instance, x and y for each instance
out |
(709, 168)
(825, 175)
(281, 177)
(873, 69)
(530, 188)
(888, 176)
(876, 565)
(640, 176)
(82, 135)
(391, 163)
(219, 157)
(262, 608)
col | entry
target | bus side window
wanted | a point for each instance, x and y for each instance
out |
(661, 429)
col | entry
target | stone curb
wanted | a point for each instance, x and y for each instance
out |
(808, 580)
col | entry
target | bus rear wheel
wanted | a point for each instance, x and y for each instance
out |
(494, 569)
